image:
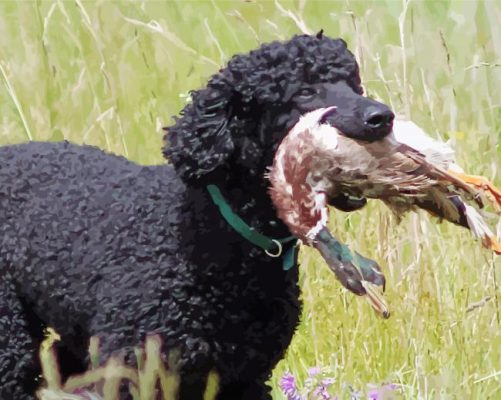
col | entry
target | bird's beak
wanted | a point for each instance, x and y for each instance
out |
(374, 296)
(327, 111)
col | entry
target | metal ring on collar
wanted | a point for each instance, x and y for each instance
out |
(278, 253)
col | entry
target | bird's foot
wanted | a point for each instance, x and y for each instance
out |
(491, 243)
(492, 193)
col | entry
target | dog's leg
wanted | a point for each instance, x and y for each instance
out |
(18, 352)
(192, 387)
(245, 391)
(193, 366)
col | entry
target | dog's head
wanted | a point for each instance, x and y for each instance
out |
(235, 124)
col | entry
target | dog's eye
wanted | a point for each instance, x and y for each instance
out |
(306, 92)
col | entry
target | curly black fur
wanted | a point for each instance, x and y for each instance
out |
(93, 244)
(228, 113)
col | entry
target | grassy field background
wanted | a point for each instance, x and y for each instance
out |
(113, 73)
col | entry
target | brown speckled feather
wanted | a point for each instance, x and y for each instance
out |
(289, 190)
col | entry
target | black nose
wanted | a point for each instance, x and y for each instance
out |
(378, 117)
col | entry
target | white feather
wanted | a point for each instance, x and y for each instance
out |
(476, 223)
(326, 136)
(320, 205)
(436, 152)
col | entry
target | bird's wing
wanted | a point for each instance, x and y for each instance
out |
(442, 156)
(437, 172)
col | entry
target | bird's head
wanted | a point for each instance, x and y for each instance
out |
(299, 190)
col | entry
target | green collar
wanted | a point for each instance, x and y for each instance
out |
(256, 238)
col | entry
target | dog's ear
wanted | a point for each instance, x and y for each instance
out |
(200, 141)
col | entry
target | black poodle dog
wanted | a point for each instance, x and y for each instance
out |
(93, 244)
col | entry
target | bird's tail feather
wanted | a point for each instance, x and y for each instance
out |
(480, 229)
(467, 216)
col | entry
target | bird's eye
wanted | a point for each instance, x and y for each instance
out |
(306, 92)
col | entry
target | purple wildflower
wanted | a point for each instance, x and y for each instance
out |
(382, 392)
(318, 384)
(321, 393)
(289, 388)
(328, 381)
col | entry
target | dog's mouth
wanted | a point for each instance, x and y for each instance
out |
(375, 128)
(342, 201)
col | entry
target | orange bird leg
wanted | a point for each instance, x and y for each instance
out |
(492, 243)
(481, 182)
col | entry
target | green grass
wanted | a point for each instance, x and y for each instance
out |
(113, 73)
